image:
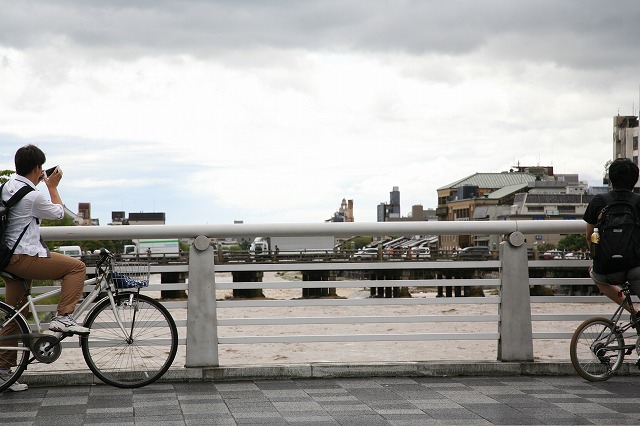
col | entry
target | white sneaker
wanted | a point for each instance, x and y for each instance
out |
(66, 324)
(15, 387)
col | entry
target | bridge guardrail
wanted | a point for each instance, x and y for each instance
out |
(513, 333)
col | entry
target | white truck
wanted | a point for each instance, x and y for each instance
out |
(168, 247)
(73, 251)
(262, 245)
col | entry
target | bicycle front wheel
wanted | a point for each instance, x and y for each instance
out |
(14, 346)
(597, 349)
(138, 353)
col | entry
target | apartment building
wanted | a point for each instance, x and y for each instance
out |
(527, 193)
(481, 196)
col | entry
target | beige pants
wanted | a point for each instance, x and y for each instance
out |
(71, 271)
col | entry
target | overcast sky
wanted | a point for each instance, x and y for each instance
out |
(274, 111)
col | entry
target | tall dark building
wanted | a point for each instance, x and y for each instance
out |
(390, 211)
(394, 203)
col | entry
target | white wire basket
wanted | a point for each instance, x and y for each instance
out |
(130, 274)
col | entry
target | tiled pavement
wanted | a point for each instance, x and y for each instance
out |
(350, 401)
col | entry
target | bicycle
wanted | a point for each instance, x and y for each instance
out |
(133, 338)
(598, 347)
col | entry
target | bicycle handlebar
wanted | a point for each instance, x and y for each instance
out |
(104, 255)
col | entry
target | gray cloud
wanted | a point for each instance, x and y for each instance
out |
(588, 33)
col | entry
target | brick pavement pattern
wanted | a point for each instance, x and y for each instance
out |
(341, 401)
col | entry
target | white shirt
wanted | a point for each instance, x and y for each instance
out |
(34, 205)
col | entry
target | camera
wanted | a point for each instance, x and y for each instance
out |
(50, 171)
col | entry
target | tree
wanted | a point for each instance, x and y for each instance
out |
(355, 243)
(4, 175)
(573, 242)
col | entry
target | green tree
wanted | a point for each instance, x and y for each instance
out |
(356, 243)
(573, 242)
(545, 247)
(5, 175)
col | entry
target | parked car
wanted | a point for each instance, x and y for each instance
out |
(420, 252)
(472, 253)
(366, 253)
(574, 255)
(553, 254)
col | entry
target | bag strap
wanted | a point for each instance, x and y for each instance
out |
(13, 201)
(17, 196)
(19, 238)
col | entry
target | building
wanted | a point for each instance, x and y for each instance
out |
(551, 200)
(529, 193)
(391, 211)
(625, 139)
(83, 217)
(153, 218)
(418, 213)
(481, 196)
(344, 213)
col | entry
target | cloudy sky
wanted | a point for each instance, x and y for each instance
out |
(274, 111)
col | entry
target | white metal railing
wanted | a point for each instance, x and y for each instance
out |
(512, 332)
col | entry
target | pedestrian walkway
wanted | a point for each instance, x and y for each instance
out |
(508, 400)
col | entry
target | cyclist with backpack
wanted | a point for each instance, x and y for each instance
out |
(616, 216)
(31, 258)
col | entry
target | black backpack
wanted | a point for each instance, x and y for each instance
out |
(619, 228)
(5, 207)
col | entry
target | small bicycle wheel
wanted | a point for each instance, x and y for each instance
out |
(597, 349)
(14, 344)
(136, 355)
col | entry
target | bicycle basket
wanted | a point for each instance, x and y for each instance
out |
(130, 274)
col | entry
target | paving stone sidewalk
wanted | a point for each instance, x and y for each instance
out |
(341, 401)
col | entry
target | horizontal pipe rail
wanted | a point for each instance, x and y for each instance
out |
(68, 233)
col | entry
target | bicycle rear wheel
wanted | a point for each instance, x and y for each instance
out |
(14, 346)
(134, 356)
(597, 349)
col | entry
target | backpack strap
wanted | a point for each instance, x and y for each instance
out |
(17, 196)
(609, 198)
(12, 202)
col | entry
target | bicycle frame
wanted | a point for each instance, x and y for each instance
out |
(101, 285)
(615, 318)
(120, 350)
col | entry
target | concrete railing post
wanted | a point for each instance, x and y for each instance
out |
(202, 324)
(516, 338)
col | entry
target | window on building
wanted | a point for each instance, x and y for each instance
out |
(566, 209)
(635, 142)
(461, 214)
(535, 208)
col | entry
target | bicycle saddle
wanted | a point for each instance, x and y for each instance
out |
(7, 274)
